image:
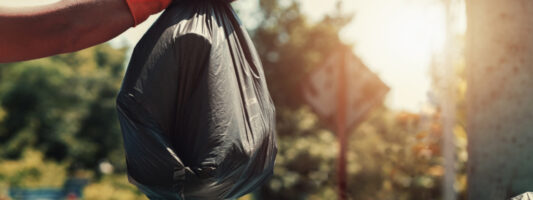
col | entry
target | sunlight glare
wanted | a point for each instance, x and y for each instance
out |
(398, 39)
(412, 34)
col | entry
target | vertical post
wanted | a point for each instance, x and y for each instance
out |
(341, 128)
(499, 98)
(448, 111)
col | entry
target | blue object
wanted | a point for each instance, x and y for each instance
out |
(72, 189)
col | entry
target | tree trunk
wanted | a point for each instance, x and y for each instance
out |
(500, 98)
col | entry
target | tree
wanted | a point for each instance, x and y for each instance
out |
(291, 47)
(500, 75)
(63, 106)
(392, 155)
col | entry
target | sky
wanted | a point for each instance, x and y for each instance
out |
(395, 38)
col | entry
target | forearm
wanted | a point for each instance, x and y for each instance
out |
(66, 26)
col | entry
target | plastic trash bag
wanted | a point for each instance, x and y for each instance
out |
(196, 115)
(524, 196)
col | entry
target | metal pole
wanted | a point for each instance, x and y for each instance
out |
(448, 111)
(341, 129)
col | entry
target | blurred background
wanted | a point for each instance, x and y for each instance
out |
(58, 125)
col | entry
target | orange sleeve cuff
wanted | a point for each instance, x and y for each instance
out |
(141, 9)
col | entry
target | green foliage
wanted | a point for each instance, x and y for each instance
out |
(31, 171)
(398, 155)
(392, 155)
(63, 106)
(305, 162)
(112, 187)
(290, 47)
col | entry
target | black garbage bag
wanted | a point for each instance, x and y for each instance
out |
(196, 115)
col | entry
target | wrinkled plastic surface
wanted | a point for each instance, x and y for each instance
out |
(524, 196)
(196, 115)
